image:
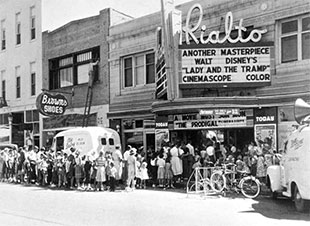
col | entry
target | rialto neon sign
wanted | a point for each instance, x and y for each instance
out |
(214, 36)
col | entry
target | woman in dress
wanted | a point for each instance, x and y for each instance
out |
(131, 167)
(101, 164)
(117, 159)
(78, 169)
(176, 162)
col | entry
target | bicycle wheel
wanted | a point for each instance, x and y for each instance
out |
(217, 181)
(250, 187)
(198, 189)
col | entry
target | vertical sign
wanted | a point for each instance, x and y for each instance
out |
(171, 24)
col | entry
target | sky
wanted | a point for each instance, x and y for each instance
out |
(56, 13)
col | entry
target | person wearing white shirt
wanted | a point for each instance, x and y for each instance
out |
(190, 148)
(125, 165)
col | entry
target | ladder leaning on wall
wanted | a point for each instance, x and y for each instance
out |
(89, 94)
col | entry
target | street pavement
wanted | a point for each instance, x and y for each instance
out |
(33, 205)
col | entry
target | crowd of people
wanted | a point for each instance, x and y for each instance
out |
(183, 157)
(31, 165)
(132, 169)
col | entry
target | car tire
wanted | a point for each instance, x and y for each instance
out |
(301, 205)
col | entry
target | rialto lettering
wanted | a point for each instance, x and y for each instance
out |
(214, 36)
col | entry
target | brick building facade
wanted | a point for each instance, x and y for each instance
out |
(67, 54)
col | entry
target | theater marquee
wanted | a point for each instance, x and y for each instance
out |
(235, 56)
(240, 65)
(212, 119)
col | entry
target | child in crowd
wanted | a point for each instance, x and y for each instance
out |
(168, 174)
(207, 163)
(246, 164)
(20, 165)
(144, 174)
(44, 166)
(138, 172)
(230, 159)
(11, 165)
(239, 167)
(112, 176)
(87, 171)
(78, 169)
(60, 170)
(93, 173)
(109, 159)
(161, 170)
(197, 162)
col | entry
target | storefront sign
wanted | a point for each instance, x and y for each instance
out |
(211, 124)
(226, 65)
(71, 120)
(224, 111)
(265, 115)
(161, 122)
(210, 121)
(49, 104)
(214, 36)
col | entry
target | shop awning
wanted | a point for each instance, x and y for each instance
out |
(136, 139)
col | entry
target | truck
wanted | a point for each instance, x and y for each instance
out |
(88, 140)
(291, 178)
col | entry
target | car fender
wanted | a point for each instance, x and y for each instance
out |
(274, 175)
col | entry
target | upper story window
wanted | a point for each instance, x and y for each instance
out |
(3, 38)
(32, 23)
(3, 88)
(32, 79)
(18, 28)
(295, 39)
(139, 69)
(18, 83)
(73, 69)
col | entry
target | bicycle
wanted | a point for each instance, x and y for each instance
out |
(225, 179)
(201, 182)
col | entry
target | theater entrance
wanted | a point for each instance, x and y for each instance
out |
(238, 137)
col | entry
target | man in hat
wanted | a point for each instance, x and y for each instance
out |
(131, 163)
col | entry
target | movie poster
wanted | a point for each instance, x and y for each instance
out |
(161, 137)
(265, 136)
